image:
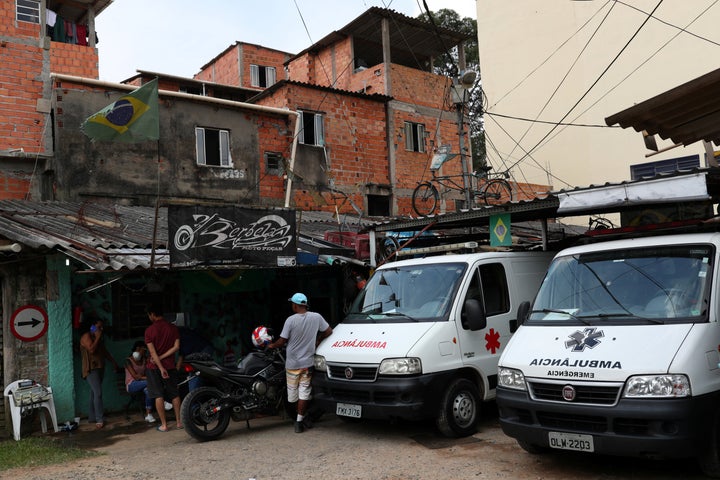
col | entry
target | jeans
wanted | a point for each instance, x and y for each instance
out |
(96, 410)
(141, 385)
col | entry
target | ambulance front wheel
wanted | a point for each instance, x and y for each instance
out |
(459, 409)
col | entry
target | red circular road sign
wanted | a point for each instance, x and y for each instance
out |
(29, 323)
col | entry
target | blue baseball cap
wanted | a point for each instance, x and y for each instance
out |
(299, 299)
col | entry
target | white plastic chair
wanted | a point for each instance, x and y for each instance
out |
(16, 409)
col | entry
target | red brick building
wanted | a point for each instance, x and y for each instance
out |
(372, 111)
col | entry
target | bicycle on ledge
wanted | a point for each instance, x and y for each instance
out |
(495, 190)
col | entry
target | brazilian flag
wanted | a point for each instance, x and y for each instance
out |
(132, 118)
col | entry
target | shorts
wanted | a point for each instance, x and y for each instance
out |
(159, 387)
(298, 384)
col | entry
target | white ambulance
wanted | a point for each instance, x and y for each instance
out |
(423, 338)
(618, 353)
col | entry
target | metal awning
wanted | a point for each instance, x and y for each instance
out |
(685, 114)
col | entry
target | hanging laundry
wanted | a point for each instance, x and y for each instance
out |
(82, 33)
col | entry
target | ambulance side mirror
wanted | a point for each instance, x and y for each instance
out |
(522, 314)
(473, 316)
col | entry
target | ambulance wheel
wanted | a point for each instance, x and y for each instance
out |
(459, 409)
(709, 460)
(532, 448)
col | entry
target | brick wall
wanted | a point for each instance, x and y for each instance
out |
(232, 67)
(419, 87)
(78, 60)
(26, 66)
(355, 145)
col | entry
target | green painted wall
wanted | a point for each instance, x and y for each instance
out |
(60, 338)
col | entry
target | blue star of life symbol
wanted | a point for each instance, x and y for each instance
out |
(586, 338)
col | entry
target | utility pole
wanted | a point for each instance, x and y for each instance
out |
(461, 85)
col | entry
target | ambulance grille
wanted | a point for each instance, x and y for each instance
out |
(359, 373)
(587, 394)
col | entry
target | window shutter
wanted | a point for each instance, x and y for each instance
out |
(421, 137)
(301, 133)
(269, 76)
(200, 145)
(408, 136)
(254, 76)
(319, 133)
(224, 148)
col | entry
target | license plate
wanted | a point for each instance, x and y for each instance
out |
(348, 410)
(571, 441)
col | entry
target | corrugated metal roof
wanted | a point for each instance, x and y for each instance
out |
(101, 236)
(117, 237)
(409, 37)
(685, 114)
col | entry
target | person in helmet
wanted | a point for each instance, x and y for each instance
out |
(302, 333)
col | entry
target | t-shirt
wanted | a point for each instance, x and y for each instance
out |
(301, 331)
(162, 335)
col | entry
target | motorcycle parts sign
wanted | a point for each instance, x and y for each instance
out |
(204, 235)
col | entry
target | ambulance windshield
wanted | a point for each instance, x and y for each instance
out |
(660, 284)
(414, 293)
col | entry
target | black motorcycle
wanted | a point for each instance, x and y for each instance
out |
(256, 386)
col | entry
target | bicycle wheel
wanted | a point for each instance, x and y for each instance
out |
(425, 198)
(497, 192)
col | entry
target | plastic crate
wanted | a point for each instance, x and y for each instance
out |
(360, 242)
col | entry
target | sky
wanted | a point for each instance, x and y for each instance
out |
(177, 37)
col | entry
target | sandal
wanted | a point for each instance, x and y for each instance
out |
(99, 425)
(159, 428)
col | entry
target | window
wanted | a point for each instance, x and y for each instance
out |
(414, 137)
(28, 11)
(274, 163)
(378, 205)
(312, 129)
(262, 76)
(489, 286)
(213, 147)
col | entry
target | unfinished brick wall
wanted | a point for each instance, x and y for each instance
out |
(26, 65)
(355, 144)
(419, 87)
(232, 67)
(78, 60)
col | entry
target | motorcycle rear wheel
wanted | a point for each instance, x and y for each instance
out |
(198, 415)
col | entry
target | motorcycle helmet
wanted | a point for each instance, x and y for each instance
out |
(261, 337)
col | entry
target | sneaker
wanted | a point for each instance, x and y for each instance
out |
(149, 418)
(299, 428)
(307, 423)
(168, 406)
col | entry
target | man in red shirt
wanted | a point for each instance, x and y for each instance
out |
(163, 341)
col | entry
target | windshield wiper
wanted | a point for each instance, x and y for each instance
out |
(399, 314)
(562, 312)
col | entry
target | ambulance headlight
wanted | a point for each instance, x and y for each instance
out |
(400, 366)
(319, 363)
(511, 378)
(657, 386)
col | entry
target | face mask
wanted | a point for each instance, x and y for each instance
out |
(137, 356)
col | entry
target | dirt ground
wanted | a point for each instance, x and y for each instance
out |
(333, 449)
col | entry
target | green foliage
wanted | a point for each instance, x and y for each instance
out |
(31, 452)
(447, 64)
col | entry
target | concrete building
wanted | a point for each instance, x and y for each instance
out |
(553, 71)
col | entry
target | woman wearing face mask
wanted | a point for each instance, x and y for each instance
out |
(135, 379)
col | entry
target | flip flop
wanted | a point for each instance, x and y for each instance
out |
(98, 425)
(160, 429)
(179, 427)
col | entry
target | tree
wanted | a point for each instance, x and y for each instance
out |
(447, 64)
